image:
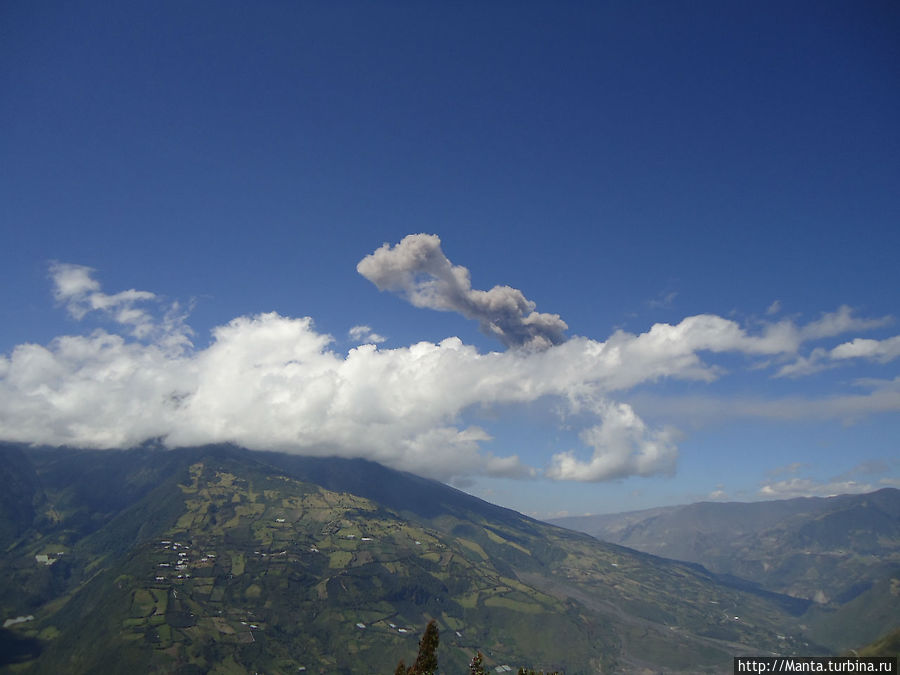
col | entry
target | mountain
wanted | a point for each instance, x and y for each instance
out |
(841, 552)
(222, 560)
(887, 645)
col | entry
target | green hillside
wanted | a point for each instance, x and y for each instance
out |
(887, 645)
(842, 553)
(226, 561)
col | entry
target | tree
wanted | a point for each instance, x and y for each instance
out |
(426, 661)
(476, 667)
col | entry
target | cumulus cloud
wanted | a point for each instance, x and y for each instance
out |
(265, 382)
(365, 334)
(274, 382)
(807, 487)
(786, 482)
(623, 446)
(819, 359)
(75, 287)
(418, 270)
(791, 337)
(719, 494)
(861, 348)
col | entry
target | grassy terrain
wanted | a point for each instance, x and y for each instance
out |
(225, 563)
(839, 554)
(887, 645)
(826, 550)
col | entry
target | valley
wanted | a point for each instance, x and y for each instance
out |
(842, 554)
(222, 560)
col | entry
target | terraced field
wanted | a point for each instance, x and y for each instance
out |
(249, 559)
(232, 564)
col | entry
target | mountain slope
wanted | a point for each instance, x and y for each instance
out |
(841, 552)
(223, 560)
(887, 645)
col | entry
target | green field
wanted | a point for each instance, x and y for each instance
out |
(231, 566)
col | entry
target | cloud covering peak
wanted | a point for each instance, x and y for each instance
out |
(418, 270)
(273, 382)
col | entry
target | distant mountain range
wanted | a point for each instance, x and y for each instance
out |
(222, 560)
(842, 552)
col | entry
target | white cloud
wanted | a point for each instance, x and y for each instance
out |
(275, 382)
(847, 482)
(774, 308)
(821, 359)
(806, 365)
(71, 283)
(365, 334)
(830, 324)
(77, 290)
(839, 322)
(701, 410)
(95, 391)
(807, 487)
(623, 446)
(860, 348)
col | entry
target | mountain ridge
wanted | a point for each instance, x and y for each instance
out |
(842, 552)
(330, 559)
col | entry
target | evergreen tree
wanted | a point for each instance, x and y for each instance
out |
(426, 661)
(476, 667)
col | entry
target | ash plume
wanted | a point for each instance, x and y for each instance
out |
(418, 270)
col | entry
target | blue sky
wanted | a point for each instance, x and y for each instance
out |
(704, 194)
